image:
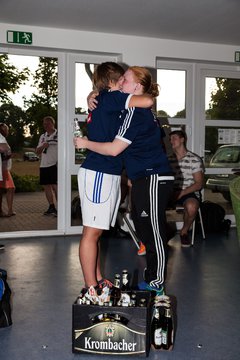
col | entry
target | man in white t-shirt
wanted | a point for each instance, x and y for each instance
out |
(47, 147)
(3, 148)
(189, 177)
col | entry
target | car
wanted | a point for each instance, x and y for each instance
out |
(227, 156)
(30, 156)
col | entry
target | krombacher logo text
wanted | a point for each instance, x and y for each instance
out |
(110, 338)
(109, 345)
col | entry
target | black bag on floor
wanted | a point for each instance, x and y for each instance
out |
(213, 218)
(76, 208)
(5, 297)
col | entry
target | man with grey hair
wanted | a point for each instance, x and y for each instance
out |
(47, 147)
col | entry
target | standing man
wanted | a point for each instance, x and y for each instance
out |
(189, 176)
(47, 147)
(3, 149)
(7, 183)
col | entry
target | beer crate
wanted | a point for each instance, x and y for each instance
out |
(128, 336)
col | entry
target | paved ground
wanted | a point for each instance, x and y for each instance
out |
(29, 208)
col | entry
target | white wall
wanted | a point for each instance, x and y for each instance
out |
(134, 50)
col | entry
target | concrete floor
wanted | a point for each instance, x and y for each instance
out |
(45, 277)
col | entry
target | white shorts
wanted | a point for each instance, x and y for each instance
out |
(100, 196)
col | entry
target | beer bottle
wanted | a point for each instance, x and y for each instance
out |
(167, 330)
(115, 295)
(77, 132)
(142, 302)
(125, 281)
(156, 330)
(133, 299)
(125, 294)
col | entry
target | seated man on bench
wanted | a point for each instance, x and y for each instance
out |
(189, 177)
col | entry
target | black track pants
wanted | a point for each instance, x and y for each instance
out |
(150, 197)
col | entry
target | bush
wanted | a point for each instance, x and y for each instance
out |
(27, 183)
(74, 183)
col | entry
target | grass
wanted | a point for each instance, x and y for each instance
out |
(21, 168)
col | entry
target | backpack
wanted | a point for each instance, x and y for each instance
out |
(5, 296)
(213, 218)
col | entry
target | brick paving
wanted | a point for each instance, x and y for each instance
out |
(29, 208)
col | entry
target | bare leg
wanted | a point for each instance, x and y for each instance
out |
(98, 269)
(88, 254)
(190, 211)
(49, 194)
(9, 198)
(54, 189)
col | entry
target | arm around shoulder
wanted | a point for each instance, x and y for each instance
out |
(108, 148)
(142, 101)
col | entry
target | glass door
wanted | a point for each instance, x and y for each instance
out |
(25, 100)
(79, 85)
(204, 100)
(221, 134)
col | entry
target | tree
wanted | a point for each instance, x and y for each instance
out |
(224, 105)
(10, 78)
(225, 101)
(46, 81)
(15, 118)
(162, 113)
(45, 102)
(180, 114)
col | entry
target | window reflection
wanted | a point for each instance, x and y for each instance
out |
(216, 136)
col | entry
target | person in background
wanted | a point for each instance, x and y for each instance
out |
(147, 166)
(99, 176)
(189, 177)
(3, 149)
(6, 184)
(48, 149)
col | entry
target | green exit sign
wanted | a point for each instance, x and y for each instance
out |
(19, 37)
(237, 56)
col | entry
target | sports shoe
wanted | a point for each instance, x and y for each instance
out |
(104, 282)
(1, 247)
(145, 286)
(51, 211)
(185, 240)
(142, 249)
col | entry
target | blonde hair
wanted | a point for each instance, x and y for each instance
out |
(144, 77)
(105, 73)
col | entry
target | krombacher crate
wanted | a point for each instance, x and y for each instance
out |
(112, 330)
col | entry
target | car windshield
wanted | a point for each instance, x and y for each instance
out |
(227, 155)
